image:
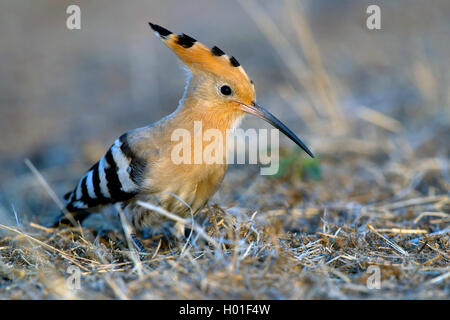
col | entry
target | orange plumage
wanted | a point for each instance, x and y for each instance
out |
(139, 165)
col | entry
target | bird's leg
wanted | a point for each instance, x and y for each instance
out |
(131, 229)
(137, 243)
(187, 232)
(163, 232)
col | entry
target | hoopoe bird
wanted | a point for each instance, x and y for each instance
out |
(138, 165)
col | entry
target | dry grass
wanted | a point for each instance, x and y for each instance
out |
(291, 245)
(378, 194)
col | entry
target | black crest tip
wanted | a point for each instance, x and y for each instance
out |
(234, 62)
(217, 52)
(163, 32)
(186, 41)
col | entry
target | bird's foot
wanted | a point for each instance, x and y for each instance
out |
(138, 244)
(165, 233)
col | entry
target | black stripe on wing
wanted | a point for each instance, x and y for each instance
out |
(137, 165)
(85, 198)
(100, 197)
(106, 179)
(113, 182)
(86, 201)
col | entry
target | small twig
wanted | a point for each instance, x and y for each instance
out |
(423, 247)
(37, 226)
(127, 230)
(178, 219)
(391, 243)
(442, 253)
(52, 194)
(192, 220)
(379, 119)
(429, 262)
(62, 253)
(431, 214)
(416, 240)
(413, 202)
(440, 278)
(157, 249)
(327, 235)
(403, 231)
(16, 216)
(113, 285)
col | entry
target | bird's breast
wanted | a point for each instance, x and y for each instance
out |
(173, 186)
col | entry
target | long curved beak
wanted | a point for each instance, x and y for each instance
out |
(262, 113)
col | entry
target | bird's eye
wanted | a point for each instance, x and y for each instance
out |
(225, 90)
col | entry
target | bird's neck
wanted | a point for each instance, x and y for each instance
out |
(200, 127)
(193, 110)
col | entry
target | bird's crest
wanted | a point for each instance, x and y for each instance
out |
(198, 57)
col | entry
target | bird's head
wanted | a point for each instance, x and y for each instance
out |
(219, 81)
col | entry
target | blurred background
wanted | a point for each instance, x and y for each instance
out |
(347, 91)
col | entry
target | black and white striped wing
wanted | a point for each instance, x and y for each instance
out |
(115, 178)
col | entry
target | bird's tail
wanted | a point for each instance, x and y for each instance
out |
(62, 219)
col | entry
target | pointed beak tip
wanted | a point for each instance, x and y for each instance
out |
(259, 111)
(309, 152)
